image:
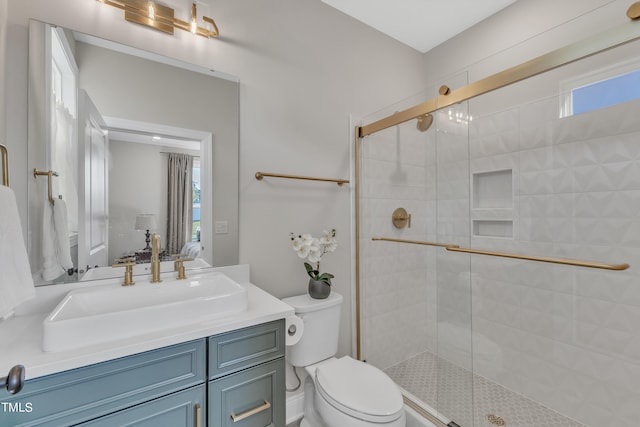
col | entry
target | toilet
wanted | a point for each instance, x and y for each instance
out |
(339, 392)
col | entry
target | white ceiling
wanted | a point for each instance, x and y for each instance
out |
(421, 24)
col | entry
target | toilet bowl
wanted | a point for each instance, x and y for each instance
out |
(339, 392)
(351, 393)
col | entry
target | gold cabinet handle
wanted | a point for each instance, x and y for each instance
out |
(198, 415)
(246, 414)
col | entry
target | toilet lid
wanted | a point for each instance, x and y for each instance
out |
(359, 389)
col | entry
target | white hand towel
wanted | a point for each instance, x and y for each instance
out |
(16, 283)
(51, 268)
(61, 224)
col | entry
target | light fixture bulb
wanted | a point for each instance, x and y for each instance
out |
(152, 11)
(194, 24)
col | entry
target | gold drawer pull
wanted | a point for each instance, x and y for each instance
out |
(198, 415)
(246, 414)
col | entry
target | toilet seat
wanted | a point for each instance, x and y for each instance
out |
(359, 390)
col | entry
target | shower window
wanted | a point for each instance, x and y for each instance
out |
(603, 88)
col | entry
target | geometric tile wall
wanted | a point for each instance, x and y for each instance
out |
(566, 337)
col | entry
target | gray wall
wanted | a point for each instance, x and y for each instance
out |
(304, 69)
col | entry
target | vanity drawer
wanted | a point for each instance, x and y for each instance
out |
(237, 350)
(254, 397)
(182, 409)
(85, 393)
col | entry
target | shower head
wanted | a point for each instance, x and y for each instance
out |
(424, 122)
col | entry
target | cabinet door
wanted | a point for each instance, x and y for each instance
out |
(71, 397)
(182, 409)
(254, 397)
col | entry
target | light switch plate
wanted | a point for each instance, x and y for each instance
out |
(222, 227)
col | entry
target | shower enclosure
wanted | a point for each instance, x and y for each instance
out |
(511, 296)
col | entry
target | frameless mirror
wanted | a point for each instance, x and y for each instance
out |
(124, 143)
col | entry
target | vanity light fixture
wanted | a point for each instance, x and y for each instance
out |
(162, 18)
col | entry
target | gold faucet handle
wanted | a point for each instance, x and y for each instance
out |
(128, 264)
(179, 259)
(124, 260)
(178, 265)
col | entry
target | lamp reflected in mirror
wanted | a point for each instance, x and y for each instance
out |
(146, 222)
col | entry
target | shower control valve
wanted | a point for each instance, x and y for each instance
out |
(401, 218)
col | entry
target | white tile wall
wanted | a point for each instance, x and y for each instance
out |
(566, 337)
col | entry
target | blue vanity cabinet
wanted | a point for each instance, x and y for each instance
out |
(247, 377)
(186, 408)
(83, 394)
(238, 375)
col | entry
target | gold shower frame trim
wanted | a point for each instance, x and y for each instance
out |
(260, 175)
(563, 261)
(5, 165)
(614, 37)
(49, 174)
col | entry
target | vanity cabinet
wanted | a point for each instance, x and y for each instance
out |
(181, 409)
(188, 384)
(247, 377)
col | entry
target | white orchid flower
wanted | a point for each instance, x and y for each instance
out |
(314, 245)
(303, 251)
(297, 243)
(315, 256)
(313, 248)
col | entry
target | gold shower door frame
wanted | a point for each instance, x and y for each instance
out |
(612, 38)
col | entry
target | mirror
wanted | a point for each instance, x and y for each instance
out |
(105, 118)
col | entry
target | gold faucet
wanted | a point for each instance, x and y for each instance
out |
(155, 258)
(128, 264)
(178, 265)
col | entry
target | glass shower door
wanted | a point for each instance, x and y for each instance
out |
(454, 356)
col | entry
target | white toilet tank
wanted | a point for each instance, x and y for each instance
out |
(321, 319)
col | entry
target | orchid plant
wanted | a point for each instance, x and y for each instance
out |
(313, 249)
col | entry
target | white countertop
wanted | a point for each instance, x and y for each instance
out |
(21, 335)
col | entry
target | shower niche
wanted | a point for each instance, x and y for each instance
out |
(492, 209)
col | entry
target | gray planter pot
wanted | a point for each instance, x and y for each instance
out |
(319, 289)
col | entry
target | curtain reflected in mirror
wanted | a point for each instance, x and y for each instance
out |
(179, 202)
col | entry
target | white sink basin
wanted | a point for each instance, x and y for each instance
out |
(102, 314)
(138, 269)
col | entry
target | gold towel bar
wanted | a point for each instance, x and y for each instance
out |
(48, 174)
(414, 242)
(563, 261)
(5, 165)
(260, 175)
